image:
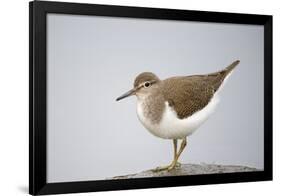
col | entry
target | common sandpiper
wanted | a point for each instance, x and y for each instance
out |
(175, 107)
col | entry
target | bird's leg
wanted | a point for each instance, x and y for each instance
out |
(175, 161)
(162, 168)
(175, 142)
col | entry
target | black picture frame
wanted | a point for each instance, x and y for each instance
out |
(37, 97)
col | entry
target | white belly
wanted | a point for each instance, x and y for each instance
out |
(171, 127)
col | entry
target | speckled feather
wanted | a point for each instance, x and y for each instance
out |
(186, 94)
(193, 92)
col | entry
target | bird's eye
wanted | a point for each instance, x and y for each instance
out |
(146, 84)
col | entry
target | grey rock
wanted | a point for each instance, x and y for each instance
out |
(190, 169)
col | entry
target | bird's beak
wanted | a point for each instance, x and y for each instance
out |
(127, 94)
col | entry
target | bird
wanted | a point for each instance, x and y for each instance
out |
(174, 108)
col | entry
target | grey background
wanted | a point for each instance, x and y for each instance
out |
(92, 60)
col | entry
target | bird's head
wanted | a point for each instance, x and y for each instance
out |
(143, 85)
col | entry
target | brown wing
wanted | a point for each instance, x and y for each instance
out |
(190, 94)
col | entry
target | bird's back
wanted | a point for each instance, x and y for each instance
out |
(189, 94)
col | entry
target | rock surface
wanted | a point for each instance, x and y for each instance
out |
(190, 169)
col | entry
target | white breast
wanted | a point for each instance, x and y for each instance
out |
(171, 127)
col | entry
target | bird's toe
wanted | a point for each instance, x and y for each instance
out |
(178, 164)
(161, 168)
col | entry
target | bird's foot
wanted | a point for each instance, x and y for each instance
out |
(174, 166)
(178, 165)
(170, 167)
(161, 168)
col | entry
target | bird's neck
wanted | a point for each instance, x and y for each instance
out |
(152, 107)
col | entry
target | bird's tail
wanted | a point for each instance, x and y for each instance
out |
(230, 67)
(220, 76)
